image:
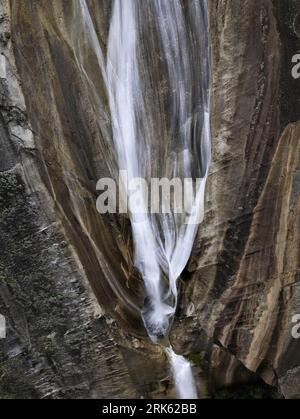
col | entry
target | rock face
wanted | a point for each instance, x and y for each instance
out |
(59, 344)
(243, 277)
(68, 287)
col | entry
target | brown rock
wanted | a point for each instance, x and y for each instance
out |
(67, 272)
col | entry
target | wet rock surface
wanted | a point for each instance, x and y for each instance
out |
(68, 287)
(243, 277)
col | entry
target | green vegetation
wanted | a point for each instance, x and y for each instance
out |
(198, 359)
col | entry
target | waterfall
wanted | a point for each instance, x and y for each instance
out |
(183, 377)
(162, 244)
(160, 106)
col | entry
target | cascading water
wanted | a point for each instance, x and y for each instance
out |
(183, 377)
(175, 129)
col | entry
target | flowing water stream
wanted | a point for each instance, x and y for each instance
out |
(157, 76)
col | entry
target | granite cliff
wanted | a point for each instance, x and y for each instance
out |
(68, 288)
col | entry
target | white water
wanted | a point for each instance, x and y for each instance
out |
(183, 377)
(162, 243)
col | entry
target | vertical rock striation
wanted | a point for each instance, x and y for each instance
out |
(59, 344)
(66, 273)
(243, 277)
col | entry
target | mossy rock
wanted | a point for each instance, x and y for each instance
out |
(198, 359)
(12, 384)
